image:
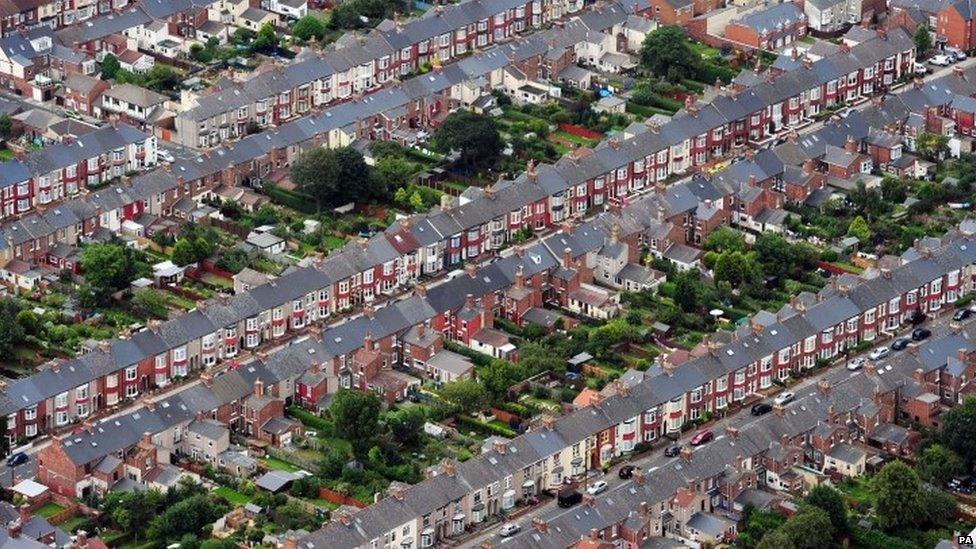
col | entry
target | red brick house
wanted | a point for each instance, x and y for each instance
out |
(80, 93)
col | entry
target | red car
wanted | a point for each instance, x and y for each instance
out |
(701, 437)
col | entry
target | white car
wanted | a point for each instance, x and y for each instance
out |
(940, 60)
(879, 353)
(856, 363)
(955, 53)
(509, 529)
(784, 398)
(596, 487)
(920, 69)
(165, 156)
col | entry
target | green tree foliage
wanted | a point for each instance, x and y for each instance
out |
(667, 53)
(756, 524)
(6, 126)
(501, 375)
(859, 229)
(776, 539)
(782, 259)
(150, 302)
(392, 172)
(736, 268)
(810, 528)
(937, 464)
(335, 176)
(466, 395)
(233, 261)
(933, 146)
(356, 415)
(350, 14)
(830, 500)
(896, 494)
(406, 425)
(688, 291)
(111, 266)
(267, 40)
(187, 516)
(922, 39)
(132, 511)
(474, 135)
(959, 430)
(11, 331)
(309, 27)
(110, 66)
(725, 239)
(183, 252)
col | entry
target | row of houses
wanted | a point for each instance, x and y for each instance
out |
(724, 375)
(847, 426)
(65, 170)
(356, 66)
(358, 274)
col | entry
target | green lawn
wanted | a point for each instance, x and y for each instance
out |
(276, 464)
(332, 242)
(49, 510)
(856, 489)
(236, 498)
(72, 523)
(6, 154)
(575, 138)
(217, 281)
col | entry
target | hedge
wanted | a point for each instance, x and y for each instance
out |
(321, 425)
(292, 199)
(646, 112)
(486, 429)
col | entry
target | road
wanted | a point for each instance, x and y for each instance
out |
(655, 459)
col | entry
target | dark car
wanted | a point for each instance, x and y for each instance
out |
(761, 408)
(17, 459)
(701, 437)
(900, 343)
(962, 314)
(918, 334)
(569, 497)
(962, 484)
(626, 471)
(672, 450)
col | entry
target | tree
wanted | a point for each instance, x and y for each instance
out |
(933, 146)
(687, 291)
(184, 252)
(780, 258)
(937, 464)
(735, 268)
(776, 539)
(474, 135)
(466, 395)
(333, 176)
(859, 229)
(667, 53)
(233, 261)
(725, 239)
(938, 508)
(266, 40)
(959, 430)
(309, 27)
(110, 66)
(356, 415)
(393, 172)
(405, 425)
(809, 529)
(110, 267)
(11, 331)
(896, 494)
(923, 40)
(501, 375)
(6, 126)
(132, 511)
(830, 500)
(187, 516)
(150, 302)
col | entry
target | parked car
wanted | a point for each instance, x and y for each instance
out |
(761, 408)
(596, 487)
(17, 459)
(900, 344)
(962, 314)
(879, 353)
(165, 156)
(956, 53)
(509, 529)
(627, 471)
(940, 60)
(918, 334)
(568, 498)
(920, 68)
(962, 484)
(701, 437)
(784, 398)
(856, 363)
(672, 450)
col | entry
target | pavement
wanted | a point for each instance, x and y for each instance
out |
(656, 459)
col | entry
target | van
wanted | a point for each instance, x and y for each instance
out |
(569, 497)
